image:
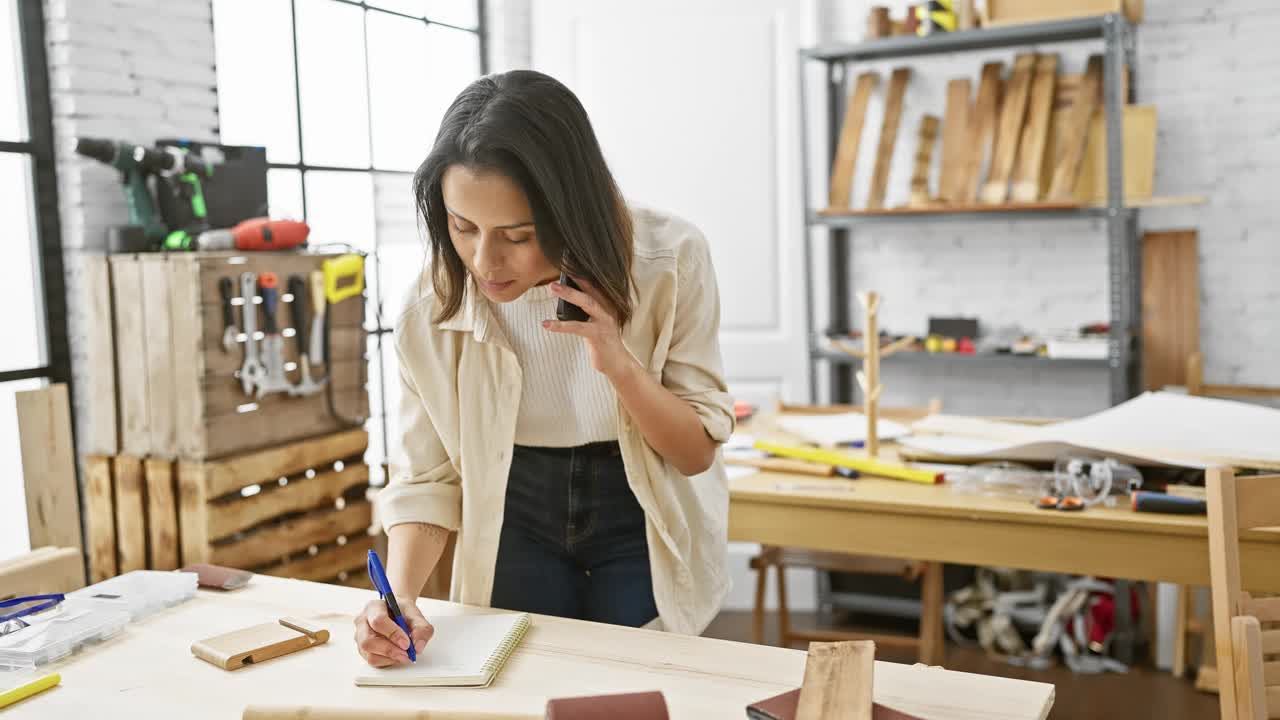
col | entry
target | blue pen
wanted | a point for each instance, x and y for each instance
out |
(379, 578)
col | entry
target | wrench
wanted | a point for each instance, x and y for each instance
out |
(273, 345)
(252, 372)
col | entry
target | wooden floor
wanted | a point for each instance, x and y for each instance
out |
(1141, 693)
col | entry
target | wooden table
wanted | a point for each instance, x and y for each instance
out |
(891, 518)
(149, 672)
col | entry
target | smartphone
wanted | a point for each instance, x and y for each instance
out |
(567, 311)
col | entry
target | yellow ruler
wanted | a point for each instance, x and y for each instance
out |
(861, 464)
(22, 692)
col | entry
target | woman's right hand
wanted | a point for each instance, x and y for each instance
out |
(381, 642)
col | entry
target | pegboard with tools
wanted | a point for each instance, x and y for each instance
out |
(200, 376)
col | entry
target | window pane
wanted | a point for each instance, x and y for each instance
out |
(254, 56)
(417, 8)
(453, 62)
(13, 93)
(402, 128)
(376, 424)
(284, 194)
(335, 120)
(19, 289)
(460, 13)
(14, 539)
(400, 266)
(340, 210)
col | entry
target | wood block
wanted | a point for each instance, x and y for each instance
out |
(879, 24)
(1071, 139)
(1139, 125)
(1035, 133)
(230, 475)
(102, 437)
(925, 139)
(982, 130)
(187, 341)
(131, 517)
(234, 515)
(1016, 12)
(1067, 88)
(327, 562)
(996, 189)
(100, 508)
(162, 514)
(955, 136)
(838, 681)
(850, 138)
(193, 505)
(48, 467)
(42, 571)
(1170, 306)
(131, 355)
(161, 390)
(295, 535)
(888, 136)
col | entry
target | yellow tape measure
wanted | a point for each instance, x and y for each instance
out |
(343, 277)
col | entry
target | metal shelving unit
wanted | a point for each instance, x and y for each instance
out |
(1124, 268)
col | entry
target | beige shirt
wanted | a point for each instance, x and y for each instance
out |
(461, 389)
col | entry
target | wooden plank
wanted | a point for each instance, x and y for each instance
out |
(193, 511)
(1259, 501)
(996, 190)
(347, 344)
(932, 643)
(1068, 87)
(161, 393)
(888, 136)
(48, 467)
(838, 681)
(955, 136)
(1266, 609)
(131, 355)
(1001, 13)
(982, 129)
(1224, 573)
(189, 405)
(131, 517)
(1270, 642)
(42, 571)
(98, 395)
(309, 417)
(850, 138)
(162, 514)
(925, 139)
(228, 476)
(1247, 651)
(1271, 673)
(99, 510)
(937, 209)
(1139, 126)
(1035, 133)
(292, 536)
(1066, 166)
(327, 563)
(1170, 306)
(236, 514)
(225, 396)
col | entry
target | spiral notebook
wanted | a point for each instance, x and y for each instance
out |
(466, 651)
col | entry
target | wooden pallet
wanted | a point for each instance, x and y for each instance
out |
(297, 510)
(178, 391)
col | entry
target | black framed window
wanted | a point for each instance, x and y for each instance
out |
(347, 97)
(32, 290)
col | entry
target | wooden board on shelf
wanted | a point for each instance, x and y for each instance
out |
(982, 129)
(1035, 132)
(943, 209)
(1170, 306)
(888, 136)
(1002, 13)
(955, 136)
(48, 467)
(1072, 136)
(855, 113)
(926, 137)
(1139, 127)
(996, 189)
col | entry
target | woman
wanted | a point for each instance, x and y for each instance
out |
(578, 460)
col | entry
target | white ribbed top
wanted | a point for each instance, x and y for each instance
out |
(564, 402)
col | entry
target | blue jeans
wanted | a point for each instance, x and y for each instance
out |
(573, 538)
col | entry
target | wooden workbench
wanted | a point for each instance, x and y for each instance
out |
(149, 672)
(891, 518)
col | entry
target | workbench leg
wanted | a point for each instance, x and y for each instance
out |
(784, 615)
(1181, 611)
(932, 640)
(757, 614)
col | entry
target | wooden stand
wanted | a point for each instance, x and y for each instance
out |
(297, 510)
(869, 376)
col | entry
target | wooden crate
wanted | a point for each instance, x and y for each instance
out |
(300, 510)
(160, 514)
(178, 391)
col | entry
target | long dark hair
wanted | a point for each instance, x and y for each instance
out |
(531, 128)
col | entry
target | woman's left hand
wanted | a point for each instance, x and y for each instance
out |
(601, 332)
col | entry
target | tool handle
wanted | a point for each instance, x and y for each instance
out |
(297, 309)
(317, 292)
(1146, 501)
(269, 289)
(226, 288)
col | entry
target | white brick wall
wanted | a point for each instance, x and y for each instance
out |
(132, 70)
(510, 38)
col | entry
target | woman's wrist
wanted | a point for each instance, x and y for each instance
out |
(626, 375)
